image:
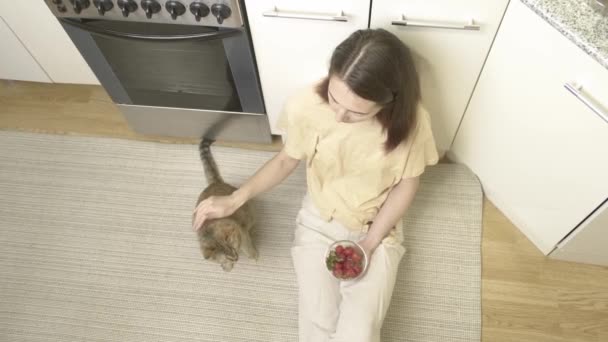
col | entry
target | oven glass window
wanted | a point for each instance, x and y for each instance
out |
(186, 74)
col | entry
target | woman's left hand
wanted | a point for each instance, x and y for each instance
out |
(369, 247)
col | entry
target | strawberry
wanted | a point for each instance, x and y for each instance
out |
(345, 262)
(339, 249)
(338, 273)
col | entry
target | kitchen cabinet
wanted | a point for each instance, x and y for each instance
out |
(536, 130)
(450, 41)
(46, 41)
(589, 242)
(16, 63)
(293, 41)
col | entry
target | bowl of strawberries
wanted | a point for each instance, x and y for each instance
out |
(346, 260)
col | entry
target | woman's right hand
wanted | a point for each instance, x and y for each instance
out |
(271, 174)
(214, 207)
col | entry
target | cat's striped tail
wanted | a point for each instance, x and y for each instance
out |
(212, 173)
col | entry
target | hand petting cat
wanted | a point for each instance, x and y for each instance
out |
(212, 208)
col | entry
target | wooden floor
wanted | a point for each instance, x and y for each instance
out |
(75, 109)
(525, 296)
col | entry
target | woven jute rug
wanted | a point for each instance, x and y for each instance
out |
(96, 245)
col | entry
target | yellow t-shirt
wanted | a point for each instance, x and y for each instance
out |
(348, 172)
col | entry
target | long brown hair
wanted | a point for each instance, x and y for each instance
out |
(378, 67)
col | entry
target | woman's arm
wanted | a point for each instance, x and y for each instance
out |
(398, 201)
(269, 175)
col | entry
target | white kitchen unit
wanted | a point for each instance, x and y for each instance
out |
(536, 132)
(47, 42)
(16, 63)
(293, 41)
(589, 242)
(450, 41)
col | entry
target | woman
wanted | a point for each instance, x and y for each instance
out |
(366, 140)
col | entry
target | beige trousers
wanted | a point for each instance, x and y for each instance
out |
(330, 310)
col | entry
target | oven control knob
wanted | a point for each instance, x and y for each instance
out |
(79, 5)
(199, 9)
(176, 8)
(103, 6)
(221, 12)
(150, 7)
(127, 6)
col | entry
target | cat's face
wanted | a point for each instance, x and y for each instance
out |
(221, 243)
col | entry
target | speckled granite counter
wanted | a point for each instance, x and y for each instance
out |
(579, 22)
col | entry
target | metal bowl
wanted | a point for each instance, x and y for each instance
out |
(357, 248)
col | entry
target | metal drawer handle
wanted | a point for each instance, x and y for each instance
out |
(471, 26)
(576, 90)
(327, 17)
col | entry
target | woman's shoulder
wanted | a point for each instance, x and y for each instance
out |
(422, 127)
(420, 133)
(423, 118)
(305, 104)
(304, 97)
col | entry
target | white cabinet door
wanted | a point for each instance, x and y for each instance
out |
(16, 63)
(589, 242)
(540, 153)
(449, 60)
(44, 37)
(294, 52)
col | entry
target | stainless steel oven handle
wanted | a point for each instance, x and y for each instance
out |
(150, 37)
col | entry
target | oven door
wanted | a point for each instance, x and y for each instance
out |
(176, 80)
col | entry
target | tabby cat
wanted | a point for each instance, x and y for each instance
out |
(222, 239)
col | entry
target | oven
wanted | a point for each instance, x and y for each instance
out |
(174, 68)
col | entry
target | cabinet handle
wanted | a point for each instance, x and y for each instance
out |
(471, 26)
(576, 90)
(327, 17)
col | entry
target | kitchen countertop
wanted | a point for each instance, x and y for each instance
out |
(579, 22)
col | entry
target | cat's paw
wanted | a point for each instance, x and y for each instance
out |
(227, 266)
(254, 255)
